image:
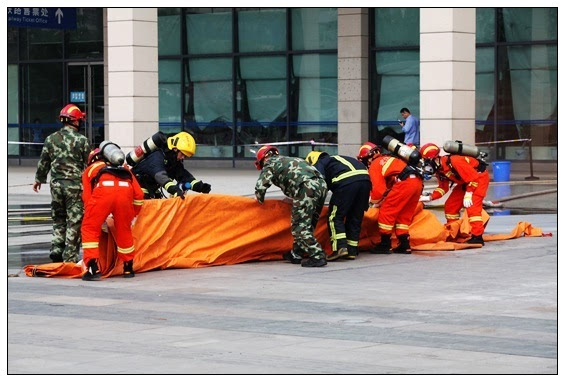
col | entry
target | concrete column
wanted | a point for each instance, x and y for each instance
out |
(132, 75)
(447, 74)
(352, 79)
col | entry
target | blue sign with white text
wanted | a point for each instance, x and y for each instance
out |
(51, 18)
(77, 97)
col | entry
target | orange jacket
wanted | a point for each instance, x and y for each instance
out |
(92, 171)
(464, 166)
(383, 172)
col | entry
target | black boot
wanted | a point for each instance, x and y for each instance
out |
(353, 252)
(56, 257)
(292, 257)
(476, 239)
(403, 247)
(92, 272)
(128, 269)
(385, 245)
(314, 262)
(342, 252)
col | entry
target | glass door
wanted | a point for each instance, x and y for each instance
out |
(85, 85)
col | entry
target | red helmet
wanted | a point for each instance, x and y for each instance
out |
(264, 152)
(95, 155)
(72, 115)
(430, 151)
(367, 150)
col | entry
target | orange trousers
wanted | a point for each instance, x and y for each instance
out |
(118, 200)
(398, 208)
(454, 203)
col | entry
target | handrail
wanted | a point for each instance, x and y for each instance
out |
(531, 177)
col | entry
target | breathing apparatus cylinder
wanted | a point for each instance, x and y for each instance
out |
(112, 153)
(158, 140)
(407, 153)
(456, 147)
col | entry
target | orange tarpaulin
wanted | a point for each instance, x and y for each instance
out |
(211, 230)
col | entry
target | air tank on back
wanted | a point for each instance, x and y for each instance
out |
(112, 153)
(410, 154)
(456, 147)
(158, 140)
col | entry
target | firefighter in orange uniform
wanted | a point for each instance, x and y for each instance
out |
(472, 181)
(108, 189)
(396, 188)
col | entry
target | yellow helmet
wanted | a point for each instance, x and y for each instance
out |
(314, 156)
(184, 142)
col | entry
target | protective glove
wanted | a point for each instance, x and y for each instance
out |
(201, 187)
(424, 198)
(176, 191)
(467, 201)
(373, 204)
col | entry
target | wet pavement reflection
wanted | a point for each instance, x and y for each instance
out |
(29, 234)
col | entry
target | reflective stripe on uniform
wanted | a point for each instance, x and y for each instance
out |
(338, 236)
(384, 226)
(441, 191)
(402, 226)
(332, 227)
(167, 185)
(475, 218)
(344, 162)
(89, 245)
(137, 202)
(126, 250)
(352, 243)
(193, 182)
(100, 163)
(145, 190)
(452, 216)
(473, 183)
(349, 174)
(385, 167)
(353, 171)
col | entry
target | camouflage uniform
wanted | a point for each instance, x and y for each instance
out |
(306, 186)
(65, 154)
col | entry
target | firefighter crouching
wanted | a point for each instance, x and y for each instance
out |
(471, 179)
(350, 185)
(396, 187)
(159, 163)
(305, 185)
(108, 188)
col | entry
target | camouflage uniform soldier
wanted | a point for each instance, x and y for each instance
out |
(306, 186)
(65, 154)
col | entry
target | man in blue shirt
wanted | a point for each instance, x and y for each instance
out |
(410, 127)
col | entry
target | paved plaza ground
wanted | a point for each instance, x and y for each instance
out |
(480, 311)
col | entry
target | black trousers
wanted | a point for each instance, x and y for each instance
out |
(346, 210)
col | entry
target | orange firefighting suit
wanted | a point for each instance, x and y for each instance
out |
(122, 197)
(464, 171)
(397, 189)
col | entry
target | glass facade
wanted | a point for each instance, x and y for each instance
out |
(237, 76)
(516, 81)
(394, 69)
(42, 73)
(516, 77)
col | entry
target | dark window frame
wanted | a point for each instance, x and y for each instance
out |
(235, 55)
(64, 67)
